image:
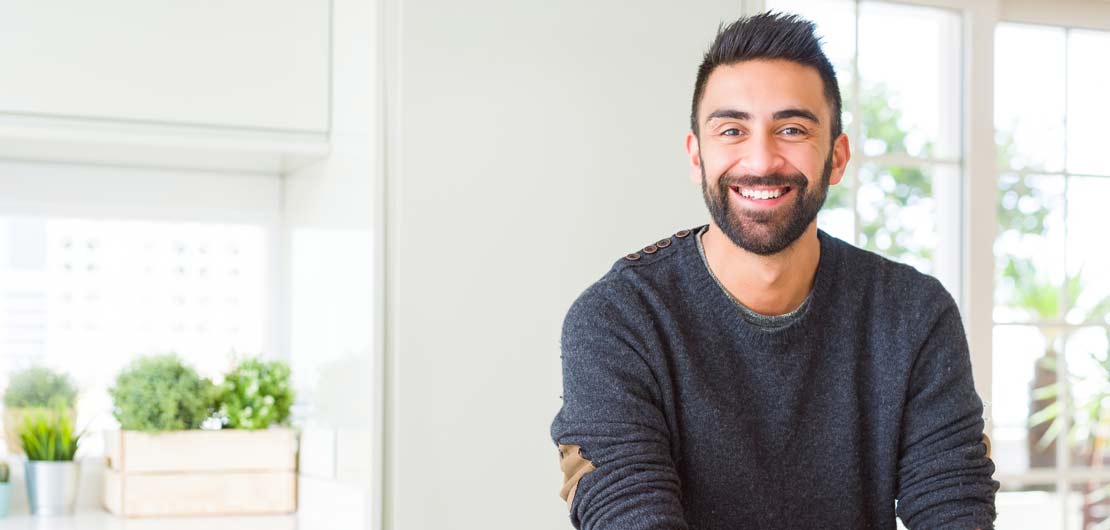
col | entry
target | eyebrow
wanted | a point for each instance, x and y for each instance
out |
(779, 115)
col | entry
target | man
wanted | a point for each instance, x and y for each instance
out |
(756, 372)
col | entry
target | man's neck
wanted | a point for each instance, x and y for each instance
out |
(768, 285)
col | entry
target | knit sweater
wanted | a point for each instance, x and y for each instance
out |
(694, 418)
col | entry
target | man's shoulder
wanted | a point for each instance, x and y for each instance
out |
(887, 283)
(623, 285)
(654, 253)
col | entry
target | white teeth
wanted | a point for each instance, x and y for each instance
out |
(761, 194)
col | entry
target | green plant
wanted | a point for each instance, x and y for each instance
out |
(255, 394)
(160, 393)
(5, 473)
(48, 437)
(40, 387)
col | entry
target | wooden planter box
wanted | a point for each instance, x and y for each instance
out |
(228, 472)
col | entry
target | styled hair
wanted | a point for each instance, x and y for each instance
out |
(769, 36)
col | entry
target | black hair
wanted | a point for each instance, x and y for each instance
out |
(769, 36)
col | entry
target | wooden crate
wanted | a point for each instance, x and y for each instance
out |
(228, 472)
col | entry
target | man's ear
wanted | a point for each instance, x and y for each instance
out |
(840, 156)
(694, 150)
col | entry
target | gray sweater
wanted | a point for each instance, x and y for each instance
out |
(695, 417)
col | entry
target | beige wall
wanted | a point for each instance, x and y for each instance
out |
(531, 144)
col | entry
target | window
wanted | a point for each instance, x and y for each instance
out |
(87, 295)
(901, 196)
(1052, 291)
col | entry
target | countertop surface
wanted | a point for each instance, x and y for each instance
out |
(100, 520)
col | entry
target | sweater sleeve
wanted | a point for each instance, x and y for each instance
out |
(944, 474)
(611, 411)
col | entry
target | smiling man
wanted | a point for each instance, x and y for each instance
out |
(756, 372)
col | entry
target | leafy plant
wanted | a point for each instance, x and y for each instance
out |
(1089, 416)
(49, 437)
(5, 473)
(40, 387)
(160, 393)
(255, 394)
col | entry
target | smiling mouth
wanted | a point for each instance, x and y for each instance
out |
(761, 193)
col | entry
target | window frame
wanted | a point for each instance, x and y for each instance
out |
(976, 228)
(981, 173)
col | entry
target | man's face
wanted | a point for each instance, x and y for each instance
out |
(764, 153)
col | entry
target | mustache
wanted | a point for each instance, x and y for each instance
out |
(794, 181)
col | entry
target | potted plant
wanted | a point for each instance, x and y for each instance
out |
(5, 488)
(40, 388)
(255, 395)
(50, 444)
(162, 462)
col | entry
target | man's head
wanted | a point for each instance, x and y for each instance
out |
(765, 137)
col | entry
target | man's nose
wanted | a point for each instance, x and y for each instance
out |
(761, 155)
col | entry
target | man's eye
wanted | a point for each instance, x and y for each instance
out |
(793, 131)
(731, 132)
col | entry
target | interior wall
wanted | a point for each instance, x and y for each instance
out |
(531, 145)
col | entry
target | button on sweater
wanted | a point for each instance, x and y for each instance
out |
(693, 417)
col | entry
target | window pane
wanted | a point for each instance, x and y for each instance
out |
(1089, 390)
(1021, 381)
(1029, 97)
(910, 71)
(1088, 250)
(898, 213)
(1029, 248)
(1088, 112)
(87, 296)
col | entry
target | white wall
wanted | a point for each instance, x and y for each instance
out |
(531, 145)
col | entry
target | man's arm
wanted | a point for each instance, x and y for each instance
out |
(944, 473)
(613, 440)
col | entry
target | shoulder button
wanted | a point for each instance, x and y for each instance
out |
(632, 257)
(682, 233)
(664, 243)
(651, 249)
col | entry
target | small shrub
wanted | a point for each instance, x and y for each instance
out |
(48, 437)
(160, 393)
(255, 395)
(40, 387)
(5, 473)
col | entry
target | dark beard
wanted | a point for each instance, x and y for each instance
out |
(760, 232)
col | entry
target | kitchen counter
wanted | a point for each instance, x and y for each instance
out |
(100, 520)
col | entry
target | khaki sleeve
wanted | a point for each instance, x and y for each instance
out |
(574, 467)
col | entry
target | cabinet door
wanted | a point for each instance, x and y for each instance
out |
(257, 64)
